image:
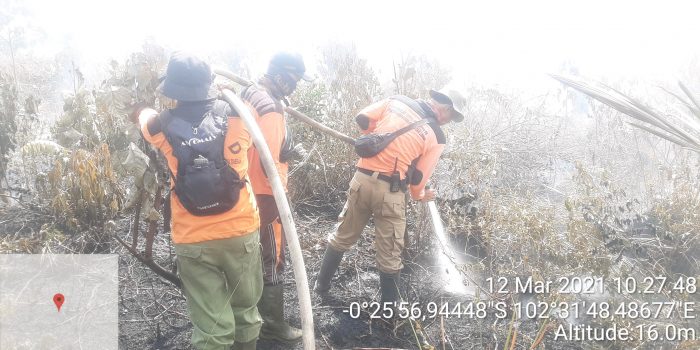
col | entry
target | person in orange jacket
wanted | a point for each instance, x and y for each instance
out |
(371, 193)
(268, 98)
(215, 220)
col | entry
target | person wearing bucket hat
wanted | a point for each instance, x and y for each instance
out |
(452, 98)
(378, 186)
(188, 79)
(215, 222)
(268, 98)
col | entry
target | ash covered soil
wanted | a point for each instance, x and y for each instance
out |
(153, 313)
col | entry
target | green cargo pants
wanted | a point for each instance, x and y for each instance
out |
(222, 281)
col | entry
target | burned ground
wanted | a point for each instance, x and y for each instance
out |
(540, 186)
(153, 313)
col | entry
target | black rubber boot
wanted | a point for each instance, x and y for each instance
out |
(251, 345)
(331, 260)
(389, 285)
(271, 308)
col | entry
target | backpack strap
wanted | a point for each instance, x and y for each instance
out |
(219, 111)
(165, 118)
(423, 110)
(425, 113)
(409, 127)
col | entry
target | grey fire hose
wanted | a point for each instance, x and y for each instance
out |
(307, 321)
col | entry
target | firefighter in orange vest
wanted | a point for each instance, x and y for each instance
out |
(215, 221)
(378, 187)
(268, 98)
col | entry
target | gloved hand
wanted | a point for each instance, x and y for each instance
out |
(301, 152)
(296, 152)
(136, 110)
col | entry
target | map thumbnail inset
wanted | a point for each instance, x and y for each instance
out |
(29, 316)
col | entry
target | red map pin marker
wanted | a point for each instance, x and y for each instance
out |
(58, 299)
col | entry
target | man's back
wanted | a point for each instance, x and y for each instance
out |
(242, 218)
(424, 144)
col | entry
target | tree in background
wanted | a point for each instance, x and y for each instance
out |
(415, 75)
(347, 84)
(8, 124)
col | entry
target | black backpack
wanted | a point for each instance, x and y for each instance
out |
(205, 184)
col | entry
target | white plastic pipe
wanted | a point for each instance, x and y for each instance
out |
(290, 231)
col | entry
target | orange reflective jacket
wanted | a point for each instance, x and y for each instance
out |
(425, 143)
(269, 113)
(241, 219)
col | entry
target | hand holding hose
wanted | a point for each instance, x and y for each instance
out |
(135, 110)
(429, 194)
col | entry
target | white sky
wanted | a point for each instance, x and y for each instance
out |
(511, 44)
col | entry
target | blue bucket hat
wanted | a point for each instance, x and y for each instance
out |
(188, 78)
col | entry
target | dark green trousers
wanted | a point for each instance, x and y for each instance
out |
(222, 281)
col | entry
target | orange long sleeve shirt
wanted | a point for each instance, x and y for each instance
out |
(424, 143)
(269, 113)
